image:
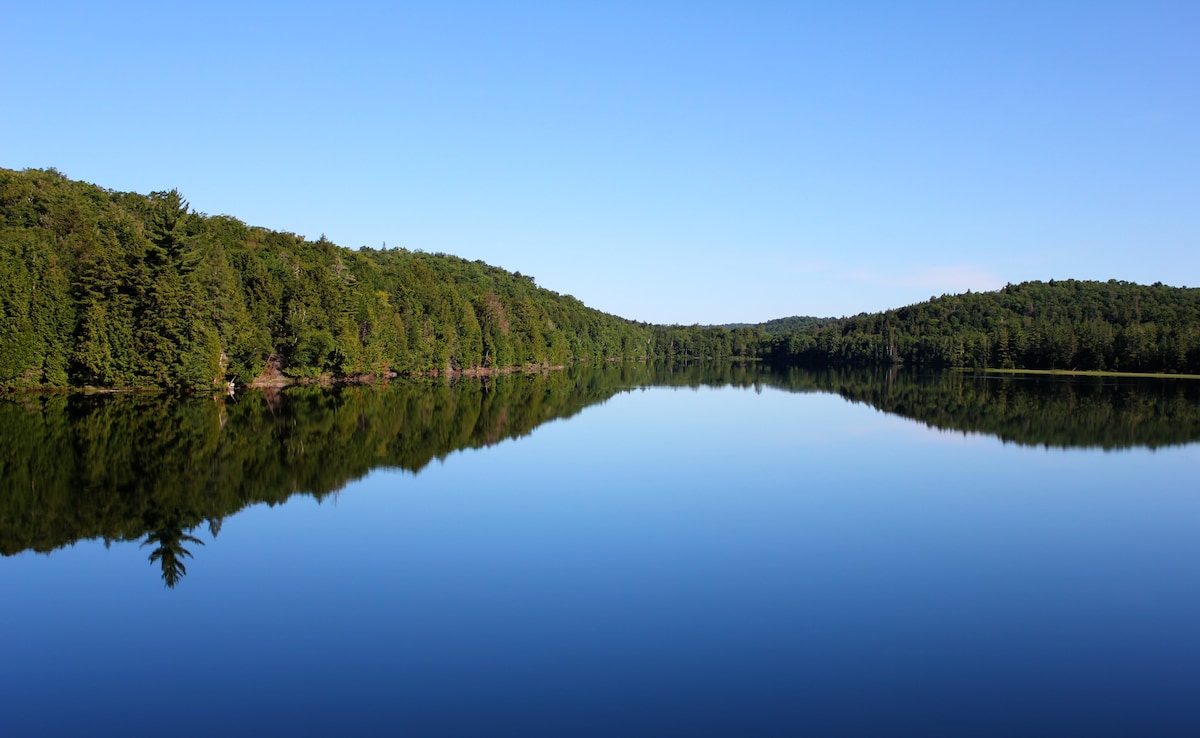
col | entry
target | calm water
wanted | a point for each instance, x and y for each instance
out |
(620, 552)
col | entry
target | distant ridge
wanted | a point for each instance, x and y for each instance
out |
(1065, 324)
(119, 290)
(795, 323)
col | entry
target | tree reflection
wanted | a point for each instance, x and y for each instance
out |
(170, 552)
(139, 467)
(1107, 413)
(151, 469)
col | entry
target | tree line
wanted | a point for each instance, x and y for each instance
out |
(1069, 324)
(111, 289)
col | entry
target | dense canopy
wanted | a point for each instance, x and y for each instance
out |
(1070, 324)
(112, 289)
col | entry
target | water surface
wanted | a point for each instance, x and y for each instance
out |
(715, 551)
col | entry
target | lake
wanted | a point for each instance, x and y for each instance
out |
(621, 550)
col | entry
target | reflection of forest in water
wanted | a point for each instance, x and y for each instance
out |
(1054, 411)
(155, 468)
(123, 467)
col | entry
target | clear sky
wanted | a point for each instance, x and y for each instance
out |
(675, 162)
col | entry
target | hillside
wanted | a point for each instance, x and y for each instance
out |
(795, 324)
(1070, 324)
(119, 290)
(112, 289)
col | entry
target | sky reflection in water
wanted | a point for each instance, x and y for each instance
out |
(669, 562)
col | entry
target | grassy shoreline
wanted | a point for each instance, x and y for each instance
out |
(1079, 373)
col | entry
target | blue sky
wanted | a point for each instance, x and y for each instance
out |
(667, 162)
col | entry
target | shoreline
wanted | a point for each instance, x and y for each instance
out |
(1077, 373)
(280, 381)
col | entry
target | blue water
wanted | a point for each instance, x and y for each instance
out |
(671, 562)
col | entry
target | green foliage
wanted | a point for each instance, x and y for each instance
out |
(113, 289)
(1069, 324)
(795, 324)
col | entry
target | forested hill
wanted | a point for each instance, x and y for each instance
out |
(1068, 324)
(796, 324)
(112, 289)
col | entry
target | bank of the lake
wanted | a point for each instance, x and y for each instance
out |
(1082, 373)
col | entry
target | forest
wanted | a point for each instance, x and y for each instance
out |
(109, 289)
(1069, 324)
(104, 289)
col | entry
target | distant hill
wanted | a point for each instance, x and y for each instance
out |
(115, 290)
(1069, 324)
(795, 324)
